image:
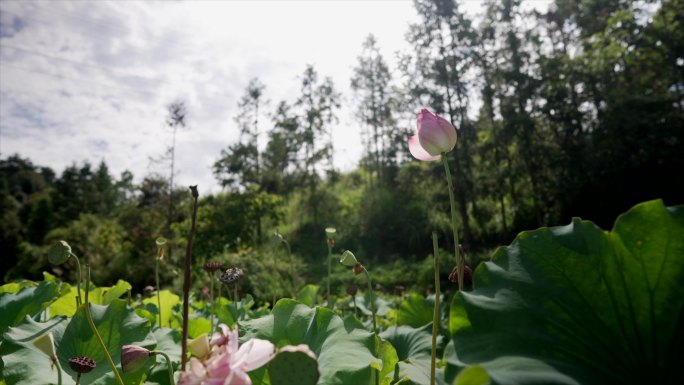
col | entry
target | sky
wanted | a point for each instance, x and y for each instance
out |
(90, 80)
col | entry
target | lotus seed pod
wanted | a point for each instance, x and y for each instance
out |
(348, 259)
(161, 241)
(330, 232)
(212, 266)
(82, 364)
(294, 365)
(59, 253)
(231, 276)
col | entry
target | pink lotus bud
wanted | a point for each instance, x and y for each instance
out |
(134, 357)
(435, 136)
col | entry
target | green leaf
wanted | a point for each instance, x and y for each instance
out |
(168, 342)
(343, 348)
(575, 304)
(414, 351)
(473, 375)
(169, 301)
(117, 325)
(415, 311)
(388, 355)
(308, 295)
(66, 304)
(27, 301)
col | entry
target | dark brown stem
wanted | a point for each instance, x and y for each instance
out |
(186, 279)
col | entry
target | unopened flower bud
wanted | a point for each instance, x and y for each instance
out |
(231, 276)
(435, 135)
(82, 364)
(348, 259)
(352, 289)
(358, 268)
(134, 357)
(59, 253)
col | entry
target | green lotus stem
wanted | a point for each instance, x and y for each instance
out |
(213, 300)
(372, 302)
(78, 378)
(356, 309)
(156, 274)
(292, 273)
(55, 360)
(329, 269)
(435, 315)
(168, 364)
(89, 317)
(452, 203)
(186, 278)
(79, 300)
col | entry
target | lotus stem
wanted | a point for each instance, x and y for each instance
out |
(55, 360)
(156, 274)
(89, 317)
(213, 300)
(329, 270)
(78, 378)
(372, 302)
(292, 272)
(79, 300)
(168, 364)
(452, 203)
(435, 315)
(186, 279)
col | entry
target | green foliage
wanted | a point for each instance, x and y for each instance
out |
(608, 304)
(23, 364)
(290, 367)
(413, 348)
(28, 301)
(343, 348)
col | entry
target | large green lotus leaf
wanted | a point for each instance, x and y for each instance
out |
(14, 287)
(29, 300)
(343, 347)
(576, 304)
(416, 311)
(66, 304)
(168, 342)
(169, 302)
(414, 350)
(117, 325)
(382, 307)
(308, 295)
(388, 355)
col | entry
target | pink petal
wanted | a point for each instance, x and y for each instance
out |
(253, 354)
(238, 378)
(418, 152)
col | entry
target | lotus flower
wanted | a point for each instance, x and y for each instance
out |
(435, 136)
(227, 364)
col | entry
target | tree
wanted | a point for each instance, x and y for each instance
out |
(240, 165)
(371, 84)
(443, 44)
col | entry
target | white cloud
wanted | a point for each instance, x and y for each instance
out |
(90, 80)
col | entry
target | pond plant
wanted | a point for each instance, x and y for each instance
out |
(569, 305)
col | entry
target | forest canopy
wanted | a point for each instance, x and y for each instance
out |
(581, 113)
